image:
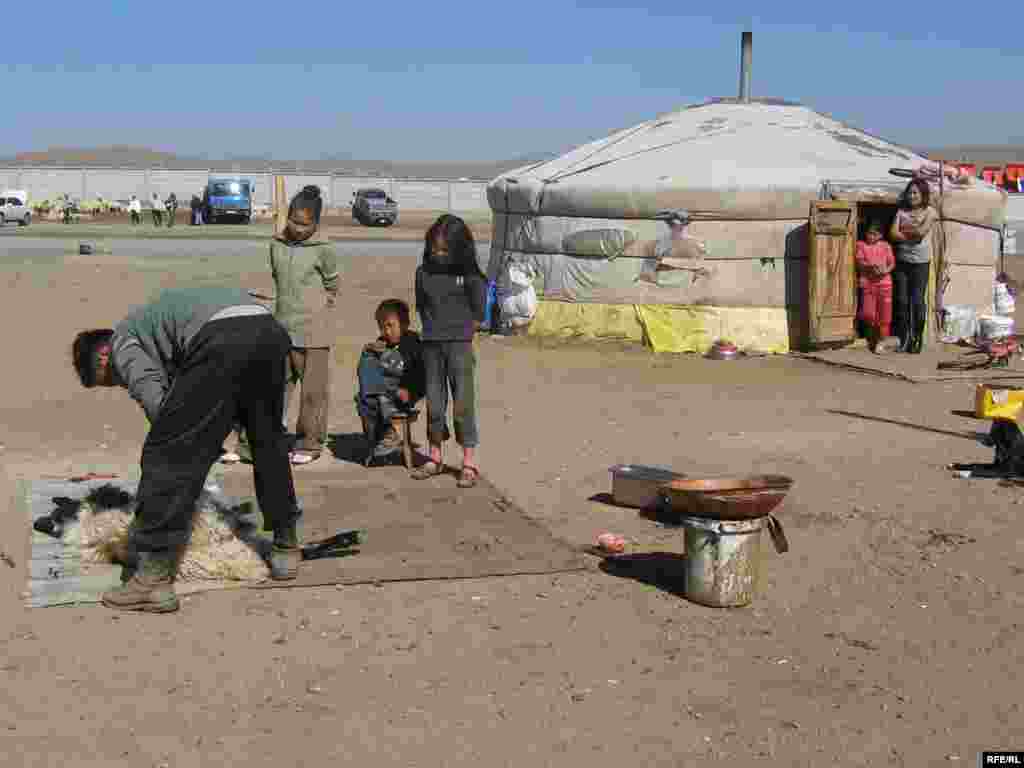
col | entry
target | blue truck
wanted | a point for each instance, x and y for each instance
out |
(228, 198)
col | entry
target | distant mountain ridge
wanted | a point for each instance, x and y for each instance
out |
(94, 155)
(120, 156)
(123, 156)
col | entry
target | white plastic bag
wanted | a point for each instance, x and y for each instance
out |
(994, 327)
(519, 275)
(959, 322)
(518, 296)
(1002, 300)
(519, 309)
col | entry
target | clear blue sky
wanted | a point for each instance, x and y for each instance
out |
(389, 79)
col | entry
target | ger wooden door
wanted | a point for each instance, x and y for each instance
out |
(832, 273)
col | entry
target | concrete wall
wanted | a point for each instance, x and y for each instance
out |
(1015, 207)
(116, 183)
(111, 185)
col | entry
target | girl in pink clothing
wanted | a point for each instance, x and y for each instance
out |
(875, 262)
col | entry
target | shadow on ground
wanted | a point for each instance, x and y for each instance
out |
(663, 570)
(352, 447)
(655, 514)
(964, 414)
(907, 424)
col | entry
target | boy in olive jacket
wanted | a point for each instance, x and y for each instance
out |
(305, 271)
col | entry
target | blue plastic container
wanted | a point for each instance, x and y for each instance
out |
(492, 300)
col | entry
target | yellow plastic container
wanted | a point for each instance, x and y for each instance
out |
(993, 401)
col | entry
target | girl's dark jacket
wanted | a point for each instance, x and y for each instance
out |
(449, 300)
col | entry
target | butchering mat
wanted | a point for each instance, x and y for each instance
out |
(416, 529)
(410, 530)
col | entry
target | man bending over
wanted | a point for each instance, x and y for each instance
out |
(196, 359)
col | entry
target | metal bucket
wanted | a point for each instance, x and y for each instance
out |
(723, 560)
(636, 485)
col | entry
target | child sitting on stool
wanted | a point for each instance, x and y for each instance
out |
(391, 378)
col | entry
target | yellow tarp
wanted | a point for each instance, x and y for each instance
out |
(589, 321)
(666, 328)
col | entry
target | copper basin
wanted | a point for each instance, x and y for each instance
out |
(727, 498)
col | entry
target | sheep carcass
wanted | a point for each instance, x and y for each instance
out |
(221, 546)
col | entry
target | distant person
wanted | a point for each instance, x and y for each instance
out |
(305, 271)
(171, 204)
(911, 232)
(451, 296)
(875, 263)
(135, 209)
(158, 209)
(391, 378)
(67, 208)
(197, 214)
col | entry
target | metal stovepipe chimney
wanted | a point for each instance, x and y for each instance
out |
(746, 54)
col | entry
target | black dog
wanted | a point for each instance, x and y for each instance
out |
(1008, 440)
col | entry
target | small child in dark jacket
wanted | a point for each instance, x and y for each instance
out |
(390, 376)
(451, 295)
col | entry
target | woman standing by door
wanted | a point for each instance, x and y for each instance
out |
(910, 234)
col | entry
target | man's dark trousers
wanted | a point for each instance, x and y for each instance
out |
(234, 369)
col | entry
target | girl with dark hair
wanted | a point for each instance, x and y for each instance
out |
(451, 295)
(875, 263)
(305, 270)
(910, 232)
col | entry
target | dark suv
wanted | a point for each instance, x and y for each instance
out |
(373, 206)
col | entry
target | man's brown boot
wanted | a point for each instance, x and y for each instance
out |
(286, 554)
(150, 588)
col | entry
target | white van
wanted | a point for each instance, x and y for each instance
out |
(14, 207)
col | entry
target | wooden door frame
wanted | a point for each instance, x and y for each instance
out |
(813, 333)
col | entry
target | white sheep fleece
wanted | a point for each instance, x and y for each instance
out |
(215, 551)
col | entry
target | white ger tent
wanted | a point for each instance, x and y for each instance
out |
(753, 175)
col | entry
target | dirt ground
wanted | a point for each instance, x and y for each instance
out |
(338, 225)
(889, 635)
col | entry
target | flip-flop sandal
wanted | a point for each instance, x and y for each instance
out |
(230, 457)
(298, 458)
(428, 470)
(468, 476)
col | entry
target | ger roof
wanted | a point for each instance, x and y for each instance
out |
(727, 143)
